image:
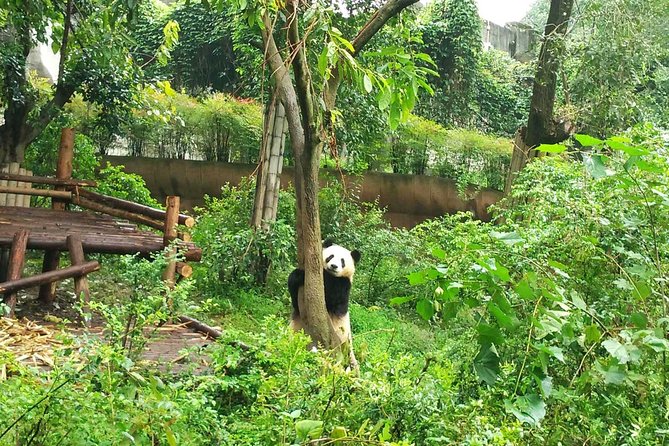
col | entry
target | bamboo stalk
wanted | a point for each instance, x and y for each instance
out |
(62, 194)
(118, 203)
(51, 181)
(49, 277)
(17, 256)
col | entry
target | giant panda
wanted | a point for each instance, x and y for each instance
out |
(338, 269)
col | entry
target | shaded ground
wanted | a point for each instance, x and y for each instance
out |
(37, 330)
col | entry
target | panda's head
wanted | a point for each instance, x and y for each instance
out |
(339, 261)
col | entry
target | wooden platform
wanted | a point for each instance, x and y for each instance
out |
(99, 233)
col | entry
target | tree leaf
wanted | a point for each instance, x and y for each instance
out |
(425, 309)
(530, 409)
(594, 166)
(486, 364)
(400, 300)
(367, 82)
(509, 238)
(551, 148)
(587, 140)
(308, 429)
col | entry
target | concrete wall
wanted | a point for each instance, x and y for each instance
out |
(516, 39)
(409, 199)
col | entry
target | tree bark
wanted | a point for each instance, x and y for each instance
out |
(542, 127)
(305, 125)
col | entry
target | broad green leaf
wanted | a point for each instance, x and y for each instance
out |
(524, 290)
(559, 268)
(578, 302)
(624, 353)
(641, 290)
(629, 150)
(509, 238)
(400, 300)
(308, 429)
(323, 61)
(551, 148)
(546, 386)
(530, 409)
(614, 375)
(384, 97)
(592, 334)
(486, 364)
(338, 432)
(489, 334)
(639, 319)
(417, 278)
(367, 83)
(439, 253)
(656, 344)
(594, 165)
(587, 140)
(425, 309)
(504, 320)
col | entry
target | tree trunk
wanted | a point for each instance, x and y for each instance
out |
(542, 127)
(268, 180)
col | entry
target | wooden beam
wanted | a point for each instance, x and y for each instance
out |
(47, 180)
(62, 194)
(75, 247)
(137, 218)
(17, 256)
(136, 208)
(49, 277)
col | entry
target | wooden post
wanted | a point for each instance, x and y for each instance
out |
(170, 234)
(17, 258)
(76, 249)
(47, 292)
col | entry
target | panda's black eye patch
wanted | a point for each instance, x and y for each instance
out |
(343, 263)
(328, 258)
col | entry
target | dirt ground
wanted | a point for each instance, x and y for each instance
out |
(172, 347)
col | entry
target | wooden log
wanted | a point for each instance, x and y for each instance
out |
(17, 256)
(170, 234)
(11, 197)
(136, 208)
(137, 218)
(184, 269)
(20, 191)
(76, 249)
(171, 219)
(213, 333)
(51, 181)
(128, 244)
(49, 277)
(47, 291)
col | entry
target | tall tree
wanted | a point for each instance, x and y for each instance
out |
(91, 36)
(309, 97)
(542, 126)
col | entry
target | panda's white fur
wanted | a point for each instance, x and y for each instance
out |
(338, 270)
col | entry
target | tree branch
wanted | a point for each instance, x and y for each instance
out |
(373, 25)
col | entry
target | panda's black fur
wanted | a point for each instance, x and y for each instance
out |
(337, 283)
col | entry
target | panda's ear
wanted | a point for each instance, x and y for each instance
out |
(327, 243)
(356, 255)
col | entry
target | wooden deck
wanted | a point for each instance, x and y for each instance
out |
(99, 233)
